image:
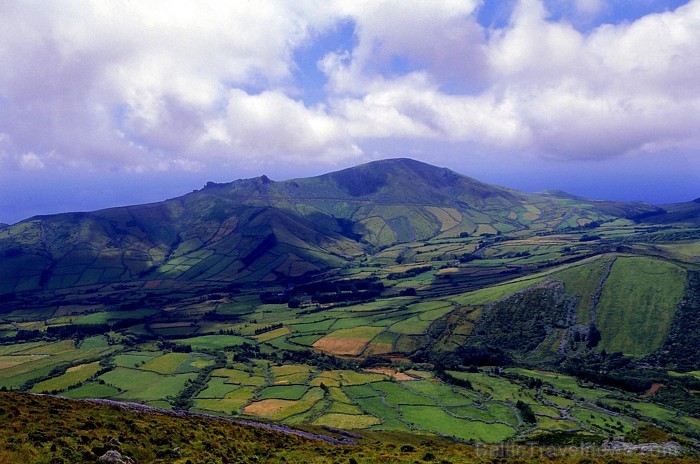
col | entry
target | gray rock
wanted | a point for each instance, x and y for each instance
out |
(115, 457)
(670, 448)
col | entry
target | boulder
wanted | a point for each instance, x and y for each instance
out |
(115, 457)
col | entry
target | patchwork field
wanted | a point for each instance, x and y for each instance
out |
(399, 341)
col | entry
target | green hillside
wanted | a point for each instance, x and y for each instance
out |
(637, 304)
(393, 298)
(85, 431)
(192, 238)
(257, 229)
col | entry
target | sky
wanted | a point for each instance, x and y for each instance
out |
(123, 102)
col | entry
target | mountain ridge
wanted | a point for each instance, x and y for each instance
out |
(392, 296)
(259, 229)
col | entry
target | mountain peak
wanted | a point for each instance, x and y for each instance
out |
(408, 164)
(405, 180)
(300, 225)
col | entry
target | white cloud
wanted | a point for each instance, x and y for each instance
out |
(533, 49)
(589, 7)
(551, 89)
(273, 124)
(30, 161)
(136, 86)
(415, 108)
(614, 91)
(442, 37)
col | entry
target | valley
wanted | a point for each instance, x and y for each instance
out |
(391, 298)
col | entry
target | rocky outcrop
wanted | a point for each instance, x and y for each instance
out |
(115, 457)
(670, 448)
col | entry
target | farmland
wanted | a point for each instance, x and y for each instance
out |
(152, 436)
(485, 331)
(484, 410)
(638, 317)
(252, 381)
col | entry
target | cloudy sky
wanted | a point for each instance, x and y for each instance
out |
(106, 103)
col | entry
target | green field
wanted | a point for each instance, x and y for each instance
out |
(497, 388)
(637, 304)
(436, 420)
(92, 390)
(604, 422)
(564, 383)
(72, 377)
(230, 403)
(491, 294)
(217, 388)
(104, 317)
(347, 421)
(141, 385)
(168, 363)
(396, 394)
(583, 282)
(212, 342)
(442, 394)
(284, 392)
(510, 323)
(133, 359)
(46, 357)
(235, 376)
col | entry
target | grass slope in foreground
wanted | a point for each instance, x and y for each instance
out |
(43, 429)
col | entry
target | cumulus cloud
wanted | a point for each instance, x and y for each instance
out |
(272, 124)
(394, 36)
(136, 86)
(549, 88)
(606, 93)
(416, 108)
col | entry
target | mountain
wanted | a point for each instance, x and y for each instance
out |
(687, 213)
(393, 297)
(197, 236)
(401, 200)
(256, 230)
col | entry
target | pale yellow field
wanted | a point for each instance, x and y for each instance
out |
(350, 342)
(400, 376)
